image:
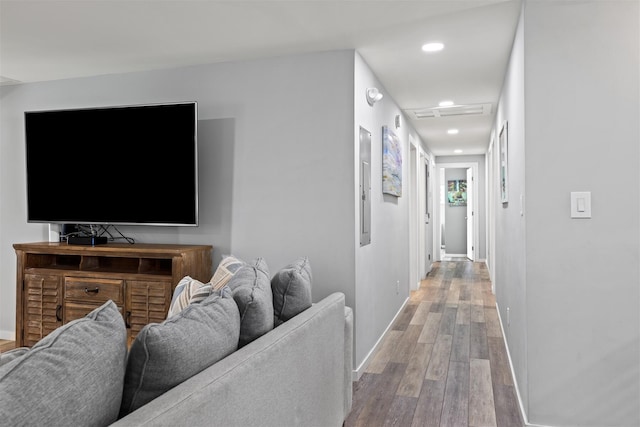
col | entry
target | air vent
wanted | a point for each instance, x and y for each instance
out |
(454, 110)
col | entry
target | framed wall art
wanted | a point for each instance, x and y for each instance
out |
(504, 163)
(457, 192)
(391, 163)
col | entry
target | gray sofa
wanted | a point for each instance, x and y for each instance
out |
(298, 374)
(216, 360)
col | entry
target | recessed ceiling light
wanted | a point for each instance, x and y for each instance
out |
(453, 131)
(458, 151)
(445, 103)
(432, 47)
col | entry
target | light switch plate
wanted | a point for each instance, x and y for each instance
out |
(580, 204)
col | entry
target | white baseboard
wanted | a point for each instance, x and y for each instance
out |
(8, 335)
(513, 375)
(367, 360)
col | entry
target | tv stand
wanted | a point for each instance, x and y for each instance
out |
(59, 282)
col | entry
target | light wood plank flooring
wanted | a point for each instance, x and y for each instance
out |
(6, 345)
(443, 362)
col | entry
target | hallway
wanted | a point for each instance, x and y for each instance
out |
(443, 362)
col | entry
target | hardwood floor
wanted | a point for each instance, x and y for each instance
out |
(443, 362)
(6, 345)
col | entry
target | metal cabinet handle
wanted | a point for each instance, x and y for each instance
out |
(91, 291)
(127, 320)
(59, 313)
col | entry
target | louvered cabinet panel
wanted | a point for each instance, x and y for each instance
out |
(42, 309)
(147, 301)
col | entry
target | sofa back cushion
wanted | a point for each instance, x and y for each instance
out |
(291, 289)
(73, 376)
(251, 289)
(10, 355)
(166, 354)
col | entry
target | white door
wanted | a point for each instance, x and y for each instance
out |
(470, 214)
(426, 255)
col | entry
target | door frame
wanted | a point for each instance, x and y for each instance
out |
(439, 197)
(491, 216)
(424, 215)
(471, 198)
(414, 239)
(420, 229)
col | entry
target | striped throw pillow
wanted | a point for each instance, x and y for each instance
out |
(201, 294)
(225, 271)
(185, 289)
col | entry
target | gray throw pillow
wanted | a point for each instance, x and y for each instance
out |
(73, 376)
(291, 289)
(166, 354)
(251, 289)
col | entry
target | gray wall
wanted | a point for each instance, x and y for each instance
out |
(382, 267)
(572, 101)
(509, 230)
(277, 144)
(276, 164)
(455, 217)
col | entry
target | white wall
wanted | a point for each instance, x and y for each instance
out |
(385, 262)
(510, 258)
(275, 167)
(582, 111)
(572, 286)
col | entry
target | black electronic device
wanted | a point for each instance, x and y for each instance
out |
(87, 240)
(67, 230)
(125, 165)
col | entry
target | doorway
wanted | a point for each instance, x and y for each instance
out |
(456, 220)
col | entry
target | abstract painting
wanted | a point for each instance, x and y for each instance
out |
(391, 163)
(457, 192)
(504, 164)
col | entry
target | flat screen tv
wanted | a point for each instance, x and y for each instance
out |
(125, 165)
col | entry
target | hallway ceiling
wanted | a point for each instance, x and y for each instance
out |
(54, 39)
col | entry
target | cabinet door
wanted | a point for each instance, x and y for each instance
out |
(146, 302)
(42, 311)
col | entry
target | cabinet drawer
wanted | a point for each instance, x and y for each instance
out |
(88, 289)
(73, 311)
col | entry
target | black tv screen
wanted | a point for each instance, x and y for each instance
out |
(124, 165)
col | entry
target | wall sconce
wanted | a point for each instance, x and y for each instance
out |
(373, 95)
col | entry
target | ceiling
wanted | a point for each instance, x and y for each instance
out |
(53, 39)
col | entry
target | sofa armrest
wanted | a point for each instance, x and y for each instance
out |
(348, 360)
